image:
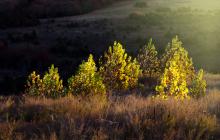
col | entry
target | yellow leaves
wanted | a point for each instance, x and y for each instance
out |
(198, 88)
(178, 70)
(118, 69)
(87, 81)
(50, 85)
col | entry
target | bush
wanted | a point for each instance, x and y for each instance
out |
(49, 86)
(198, 88)
(118, 69)
(87, 81)
(178, 71)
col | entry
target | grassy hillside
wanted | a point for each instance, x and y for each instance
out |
(26, 12)
(127, 117)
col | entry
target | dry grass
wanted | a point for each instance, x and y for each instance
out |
(213, 80)
(129, 117)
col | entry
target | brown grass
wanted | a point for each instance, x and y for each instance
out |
(213, 80)
(129, 117)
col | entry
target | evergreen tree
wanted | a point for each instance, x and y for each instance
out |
(149, 63)
(178, 71)
(198, 88)
(87, 81)
(50, 85)
(118, 69)
(34, 84)
(185, 62)
(173, 80)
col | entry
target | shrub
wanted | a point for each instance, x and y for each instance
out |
(198, 88)
(118, 69)
(149, 61)
(49, 86)
(178, 71)
(87, 81)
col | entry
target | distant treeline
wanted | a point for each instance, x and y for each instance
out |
(27, 12)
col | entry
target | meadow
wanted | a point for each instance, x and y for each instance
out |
(125, 117)
(58, 106)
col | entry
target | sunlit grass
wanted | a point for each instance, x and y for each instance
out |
(127, 117)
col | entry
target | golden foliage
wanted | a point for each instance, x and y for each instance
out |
(178, 71)
(118, 69)
(50, 85)
(87, 81)
(173, 80)
(198, 88)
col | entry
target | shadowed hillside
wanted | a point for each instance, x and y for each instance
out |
(27, 12)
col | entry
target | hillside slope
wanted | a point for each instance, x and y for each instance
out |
(66, 41)
(26, 12)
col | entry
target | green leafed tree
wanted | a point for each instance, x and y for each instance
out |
(49, 86)
(87, 81)
(178, 71)
(149, 62)
(118, 69)
(173, 80)
(34, 84)
(185, 62)
(198, 88)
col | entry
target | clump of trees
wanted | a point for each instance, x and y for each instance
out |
(172, 73)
